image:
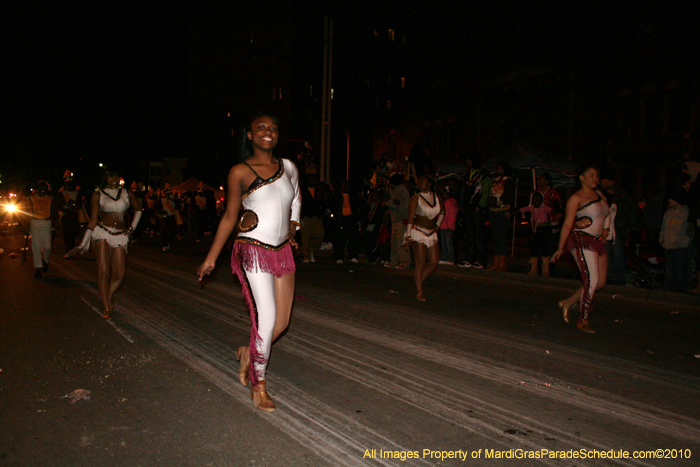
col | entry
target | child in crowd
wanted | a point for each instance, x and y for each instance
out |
(447, 228)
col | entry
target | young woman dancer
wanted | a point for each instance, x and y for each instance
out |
(583, 233)
(268, 190)
(425, 213)
(109, 236)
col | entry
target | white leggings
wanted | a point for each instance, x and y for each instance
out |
(262, 289)
(41, 241)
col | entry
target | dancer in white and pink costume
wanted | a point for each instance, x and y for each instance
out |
(267, 190)
(583, 233)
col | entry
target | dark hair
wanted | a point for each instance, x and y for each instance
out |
(246, 148)
(505, 165)
(109, 170)
(607, 174)
(431, 180)
(476, 160)
(582, 169)
(396, 179)
(682, 178)
(547, 177)
(537, 196)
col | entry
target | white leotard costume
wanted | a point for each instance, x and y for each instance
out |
(113, 200)
(262, 252)
(430, 208)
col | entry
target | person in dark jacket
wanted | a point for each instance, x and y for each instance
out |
(625, 225)
(500, 202)
(312, 231)
(347, 232)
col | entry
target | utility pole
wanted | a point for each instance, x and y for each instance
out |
(326, 98)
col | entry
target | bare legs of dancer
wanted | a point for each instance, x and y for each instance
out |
(427, 260)
(111, 269)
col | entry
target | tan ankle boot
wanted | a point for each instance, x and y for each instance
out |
(503, 266)
(585, 327)
(496, 263)
(545, 266)
(533, 266)
(243, 356)
(261, 398)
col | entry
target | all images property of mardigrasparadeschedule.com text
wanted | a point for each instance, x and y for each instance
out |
(516, 454)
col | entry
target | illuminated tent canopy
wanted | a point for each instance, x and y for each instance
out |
(192, 184)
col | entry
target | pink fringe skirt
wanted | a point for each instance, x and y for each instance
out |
(584, 241)
(252, 256)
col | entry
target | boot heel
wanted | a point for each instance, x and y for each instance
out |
(261, 399)
(564, 310)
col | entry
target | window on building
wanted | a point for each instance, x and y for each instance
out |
(391, 34)
(403, 82)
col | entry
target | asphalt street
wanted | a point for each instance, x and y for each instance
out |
(484, 371)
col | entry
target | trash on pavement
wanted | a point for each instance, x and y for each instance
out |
(77, 395)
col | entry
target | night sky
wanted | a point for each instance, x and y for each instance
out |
(128, 81)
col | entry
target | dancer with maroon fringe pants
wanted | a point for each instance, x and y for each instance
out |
(586, 226)
(267, 189)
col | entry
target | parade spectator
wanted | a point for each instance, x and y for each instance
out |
(267, 188)
(425, 214)
(472, 213)
(347, 233)
(312, 226)
(371, 227)
(200, 213)
(168, 212)
(447, 227)
(500, 200)
(625, 226)
(150, 212)
(109, 236)
(325, 200)
(135, 191)
(551, 198)
(398, 207)
(676, 237)
(653, 216)
(693, 188)
(583, 234)
(540, 223)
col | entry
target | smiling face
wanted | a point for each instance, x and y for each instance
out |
(264, 133)
(112, 180)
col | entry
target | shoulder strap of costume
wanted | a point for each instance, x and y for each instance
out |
(252, 169)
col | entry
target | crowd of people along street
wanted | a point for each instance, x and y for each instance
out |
(373, 221)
